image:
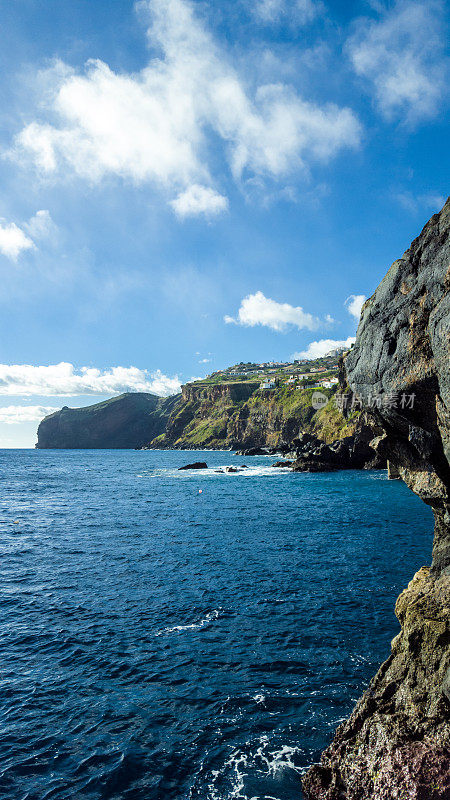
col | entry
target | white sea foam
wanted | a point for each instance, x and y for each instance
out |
(259, 698)
(257, 471)
(212, 615)
(263, 762)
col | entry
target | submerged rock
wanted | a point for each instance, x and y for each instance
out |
(195, 465)
(396, 743)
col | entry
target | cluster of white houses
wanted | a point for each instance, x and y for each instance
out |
(324, 383)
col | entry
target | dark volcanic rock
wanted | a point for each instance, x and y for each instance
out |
(313, 465)
(127, 421)
(396, 743)
(351, 452)
(254, 451)
(195, 465)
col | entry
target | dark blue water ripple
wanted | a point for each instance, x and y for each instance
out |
(158, 644)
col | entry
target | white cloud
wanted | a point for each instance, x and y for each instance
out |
(256, 309)
(322, 347)
(354, 304)
(401, 55)
(204, 360)
(413, 203)
(41, 226)
(15, 415)
(161, 124)
(63, 380)
(197, 200)
(298, 12)
(13, 240)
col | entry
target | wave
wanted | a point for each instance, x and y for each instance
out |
(192, 626)
(218, 471)
(257, 772)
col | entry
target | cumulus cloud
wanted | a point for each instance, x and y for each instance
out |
(354, 304)
(400, 54)
(197, 200)
(299, 12)
(13, 240)
(63, 380)
(323, 346)
(163, 123)
(15, 415)
(256, 309)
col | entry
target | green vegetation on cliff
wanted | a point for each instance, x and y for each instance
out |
(230, 409)
(243, 415)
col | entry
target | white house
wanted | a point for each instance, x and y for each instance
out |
(268, 385)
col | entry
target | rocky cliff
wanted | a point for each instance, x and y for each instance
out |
(396, 743)
(126, 421)
(241, 415)
(205, 416)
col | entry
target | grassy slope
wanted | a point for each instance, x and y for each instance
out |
(266, 418)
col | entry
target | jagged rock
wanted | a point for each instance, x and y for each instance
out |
(396, 744)
(350, 452)
(282, 464)
(195, 465)
(254, 451)
(313, 465)
(393, 472)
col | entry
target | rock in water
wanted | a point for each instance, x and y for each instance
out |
(195, 465)
(396, 743)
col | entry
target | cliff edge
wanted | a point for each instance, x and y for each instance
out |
(396, 743)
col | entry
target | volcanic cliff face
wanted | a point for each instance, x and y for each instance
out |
(126, 421)
(396, 744)
(240, 414)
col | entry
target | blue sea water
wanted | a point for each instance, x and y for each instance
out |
(160, 643)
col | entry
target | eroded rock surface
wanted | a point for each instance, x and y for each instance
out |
(396, 743)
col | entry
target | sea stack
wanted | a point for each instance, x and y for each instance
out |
(396, 743)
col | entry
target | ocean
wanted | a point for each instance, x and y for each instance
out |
(159, 642)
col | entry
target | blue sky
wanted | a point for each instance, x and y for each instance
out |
(186, 185)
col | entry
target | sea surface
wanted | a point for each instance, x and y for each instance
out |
(160, 642)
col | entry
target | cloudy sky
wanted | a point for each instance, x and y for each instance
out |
(186, 185)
